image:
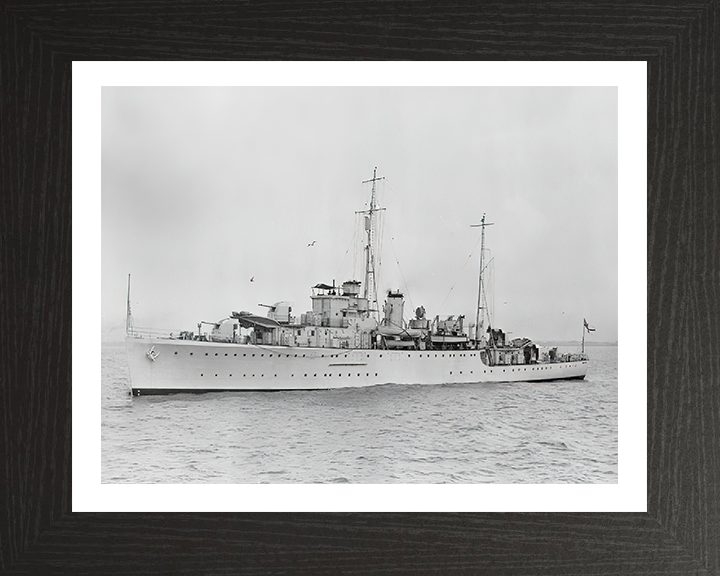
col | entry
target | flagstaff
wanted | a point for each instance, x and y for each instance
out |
(128, 317)
(589, 328)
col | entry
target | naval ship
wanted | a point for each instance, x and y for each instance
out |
(344, 341)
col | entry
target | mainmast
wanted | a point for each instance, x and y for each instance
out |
(370, 292)
(482, 298)
(128, 319)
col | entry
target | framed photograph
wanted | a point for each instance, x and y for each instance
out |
(71, 471)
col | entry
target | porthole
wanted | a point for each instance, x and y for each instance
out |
(215, 353)
(175, 352)
(201, 374)
(215, 375)
(191, 353)
(206, 353)
(234, 354)
(225, 354)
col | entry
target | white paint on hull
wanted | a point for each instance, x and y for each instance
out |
(185, 365)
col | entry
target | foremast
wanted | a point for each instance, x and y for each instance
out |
(370, 291)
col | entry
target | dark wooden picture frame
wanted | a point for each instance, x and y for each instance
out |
(681, 530)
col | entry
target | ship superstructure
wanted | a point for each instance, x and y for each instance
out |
(345, 340)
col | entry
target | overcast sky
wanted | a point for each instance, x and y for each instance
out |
(204, 188)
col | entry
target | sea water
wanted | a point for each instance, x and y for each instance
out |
(545, 432)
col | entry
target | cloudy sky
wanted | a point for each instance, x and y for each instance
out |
(204, 188)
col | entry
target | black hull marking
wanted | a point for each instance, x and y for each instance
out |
(167, 391)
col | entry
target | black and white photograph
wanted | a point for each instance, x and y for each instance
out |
(367, 285)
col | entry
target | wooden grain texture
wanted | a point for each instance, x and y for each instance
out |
(681, 531)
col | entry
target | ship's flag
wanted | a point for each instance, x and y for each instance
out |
(587, 327)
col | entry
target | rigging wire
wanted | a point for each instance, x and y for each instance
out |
(490, 268)
(459, 275)
(386, 183)
(378, 260)
(492, 290)
(359, 247)
(397, 261)
(402, 209)
(352, 243)
(377, 269)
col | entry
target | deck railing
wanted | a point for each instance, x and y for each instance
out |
(136, 332)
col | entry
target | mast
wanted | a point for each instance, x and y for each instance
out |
(482, 299)
(370, 292)
(128, 318)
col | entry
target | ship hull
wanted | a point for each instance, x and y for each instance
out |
(164, 366)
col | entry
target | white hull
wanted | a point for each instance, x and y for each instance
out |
(194, 366)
